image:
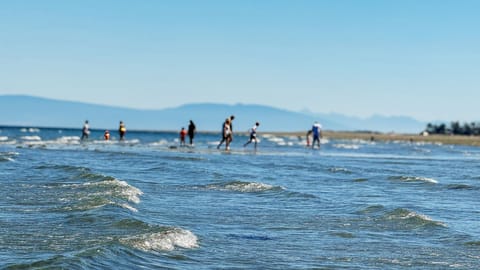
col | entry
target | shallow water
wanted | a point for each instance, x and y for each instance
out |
(147, 203)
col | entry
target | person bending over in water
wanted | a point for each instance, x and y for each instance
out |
(253, 135)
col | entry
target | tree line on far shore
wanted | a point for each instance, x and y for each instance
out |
(455, 128)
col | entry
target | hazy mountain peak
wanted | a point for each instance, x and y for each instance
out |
(37, 111)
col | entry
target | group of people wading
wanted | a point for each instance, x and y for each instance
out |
(227, 133)
(122, 130)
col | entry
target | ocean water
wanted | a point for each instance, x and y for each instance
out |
(146, 203)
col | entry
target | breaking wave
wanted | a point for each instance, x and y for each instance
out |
(87, 190)
(414, 179)
(409, 218)
(166, 240)
(31, 138)
(7, 156)
(246, 187)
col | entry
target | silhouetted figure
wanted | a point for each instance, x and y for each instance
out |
(191, 131)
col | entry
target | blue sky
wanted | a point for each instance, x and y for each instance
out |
(409, 57)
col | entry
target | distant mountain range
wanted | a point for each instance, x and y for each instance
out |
(20, 110)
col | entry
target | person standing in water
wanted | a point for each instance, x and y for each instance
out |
(183, 134)
(253, 135)
(85, 130)
(228, 133)
(230, 128)
(191, 132)
(317, 134)
(122, 130)
(309, 133)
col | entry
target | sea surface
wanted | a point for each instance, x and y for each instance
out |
(146, 203)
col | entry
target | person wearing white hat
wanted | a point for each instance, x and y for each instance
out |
(317, 134)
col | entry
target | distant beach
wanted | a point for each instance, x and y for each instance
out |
(377, 136)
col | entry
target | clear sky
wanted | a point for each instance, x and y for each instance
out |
(418, 58)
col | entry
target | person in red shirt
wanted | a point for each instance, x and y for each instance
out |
(183, 134)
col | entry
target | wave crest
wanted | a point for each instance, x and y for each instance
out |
(31, 138)
(160, 241)
(411, 218)
(99, 191)
(118, 188)
(8, 156)
(414, 179)
(246, 187)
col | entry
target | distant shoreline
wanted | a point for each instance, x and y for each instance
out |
(377, 136)
(339, 135)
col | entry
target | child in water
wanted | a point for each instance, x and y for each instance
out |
(106, 135)
(183, 134)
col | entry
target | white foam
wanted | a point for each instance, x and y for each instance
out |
(3, 138)
(405, 214)
(347, 146)
(339, 169)
(9, 142)
(68, 139)
(31, 138)
(278, 140)
(248, 187)
(129, 207)
(132, 141)
(412, 214)
(130, 192)
(419, 179)
(103, 142)
(162, 142)
(166, 240)
(31, 130)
